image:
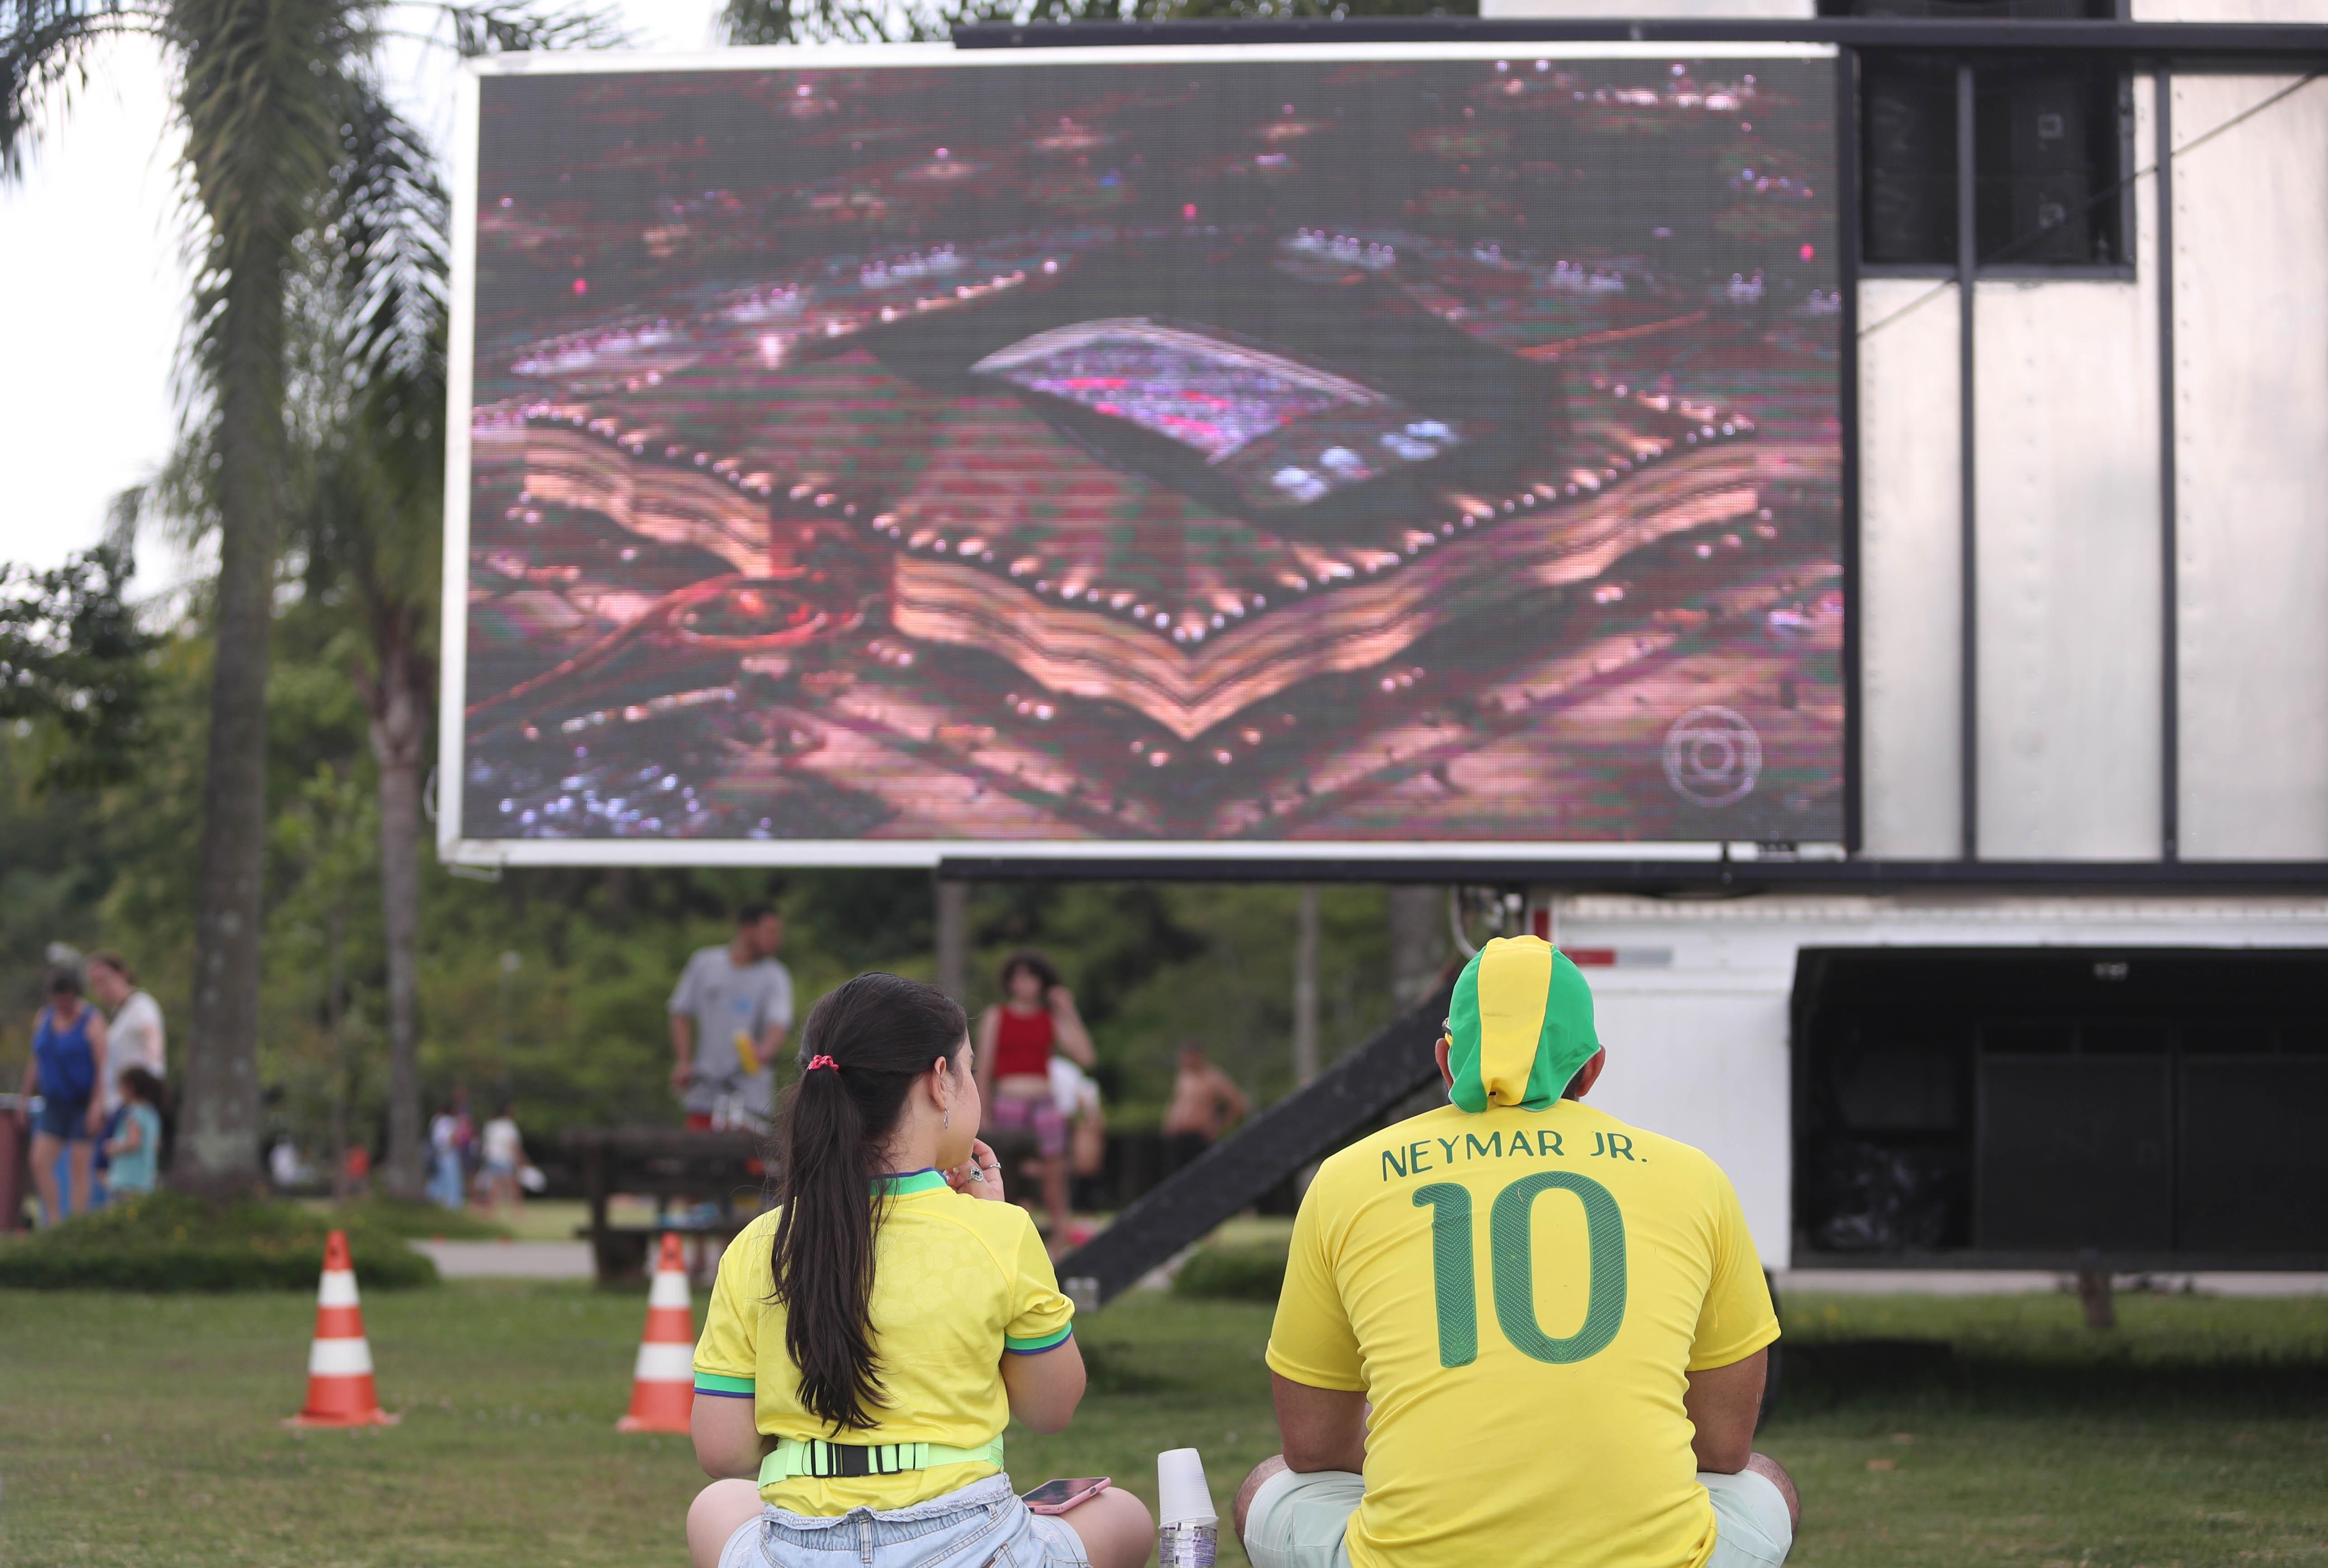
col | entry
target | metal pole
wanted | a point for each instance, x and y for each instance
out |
(1851, 238)
(511, 963)
(1967, 441)
(1305, 987)
(334, 1010)
(2170, 651)
(1418, 942)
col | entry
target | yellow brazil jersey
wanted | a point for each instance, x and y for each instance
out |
(958, 1282)
(1518, 1293)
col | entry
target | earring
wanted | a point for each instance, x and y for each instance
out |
(945, 1118)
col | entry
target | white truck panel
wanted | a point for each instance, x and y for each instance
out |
(1910, 586)
(2251, 467)
(1695, 1010)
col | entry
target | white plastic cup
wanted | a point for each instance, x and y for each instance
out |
(1182, 1497)
(1189, 1546)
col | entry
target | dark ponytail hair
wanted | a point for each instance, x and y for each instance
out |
(883, 1031)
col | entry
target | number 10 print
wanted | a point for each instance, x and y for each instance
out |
(1511, 1250)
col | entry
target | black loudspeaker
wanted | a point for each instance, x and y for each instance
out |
(1908, 119)
(2255, 1166)
(2038, 178)
(2076, 1152)
(2050, 222)
(2047, 157)
(2046, 125)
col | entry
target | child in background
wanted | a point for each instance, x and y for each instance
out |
(1078, 1101)
(446, 1183)
(136, 1146)
(504, 1159)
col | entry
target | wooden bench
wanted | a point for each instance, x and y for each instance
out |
(678, 1169)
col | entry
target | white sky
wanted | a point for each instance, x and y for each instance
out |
(96, 295)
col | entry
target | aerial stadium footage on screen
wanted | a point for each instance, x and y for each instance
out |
(1302, 452)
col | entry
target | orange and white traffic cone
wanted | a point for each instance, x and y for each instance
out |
(662, 1386)
(340, 1390)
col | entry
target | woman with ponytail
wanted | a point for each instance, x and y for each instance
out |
(872, 1334)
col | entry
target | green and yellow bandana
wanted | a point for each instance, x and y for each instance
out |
(1520, 1026)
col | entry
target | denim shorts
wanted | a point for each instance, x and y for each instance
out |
(63, 1119)
(983, 1523)
(1298, 1521)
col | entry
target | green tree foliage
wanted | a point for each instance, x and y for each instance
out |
(262, 90)
(575, 1031)
(73, 664)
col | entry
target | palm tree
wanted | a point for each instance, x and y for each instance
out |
(372, 513)
(263, 89)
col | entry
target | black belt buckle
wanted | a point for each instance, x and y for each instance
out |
(852, 1460)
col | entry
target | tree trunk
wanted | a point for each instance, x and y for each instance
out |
(953, 940)
(1418, 942)
(1305, 987)
(399, 738)
(218, 1148)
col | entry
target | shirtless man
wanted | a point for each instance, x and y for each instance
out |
(1205, 1101)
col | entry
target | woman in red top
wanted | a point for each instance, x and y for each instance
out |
(1015, 1042)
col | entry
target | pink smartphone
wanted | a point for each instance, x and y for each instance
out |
(1058, 1496)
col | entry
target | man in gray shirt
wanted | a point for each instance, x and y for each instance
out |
(730, 1015)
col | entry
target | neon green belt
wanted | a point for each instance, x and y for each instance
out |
(815, 1457)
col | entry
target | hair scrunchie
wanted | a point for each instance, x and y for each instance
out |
(816, 1062)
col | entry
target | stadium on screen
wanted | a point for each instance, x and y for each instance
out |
(1314, 452)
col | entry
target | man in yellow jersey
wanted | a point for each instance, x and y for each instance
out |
(1516, 1330)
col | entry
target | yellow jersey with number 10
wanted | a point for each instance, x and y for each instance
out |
(1520, 1294)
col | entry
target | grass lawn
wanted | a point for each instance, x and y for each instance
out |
(142, 1431)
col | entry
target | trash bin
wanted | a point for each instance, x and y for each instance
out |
(16, 1169)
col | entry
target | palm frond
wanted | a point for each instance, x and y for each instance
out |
(746, 23)
(44, 57)
(519, 26)
(387, 220)
(262, 87)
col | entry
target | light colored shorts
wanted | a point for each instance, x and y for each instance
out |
(1039, 1117)
(1299, 1521)
(983, 1523)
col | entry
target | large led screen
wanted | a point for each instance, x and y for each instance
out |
(1292, 450)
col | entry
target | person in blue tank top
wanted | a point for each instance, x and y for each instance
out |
(67, 1066)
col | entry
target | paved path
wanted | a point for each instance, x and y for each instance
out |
(508, 1260)
(571, 1260)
